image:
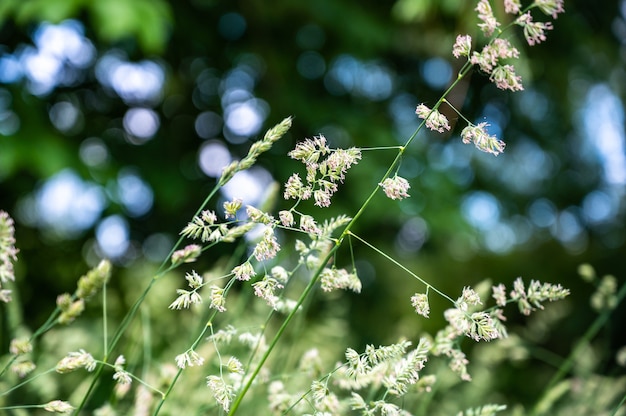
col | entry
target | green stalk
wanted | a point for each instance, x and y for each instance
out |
(347, 231)
(163, 268)
(280, 331)
(567, 365)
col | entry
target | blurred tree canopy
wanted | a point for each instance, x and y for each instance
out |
(116, 117)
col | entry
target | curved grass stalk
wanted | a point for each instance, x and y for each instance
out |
(121, 329)
(400, 265)
(346, 232)
(564, 369)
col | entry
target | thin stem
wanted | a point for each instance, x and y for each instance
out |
(280, 331)
(400, 265)
(105, 332)
(347, 231)
(365, 149)
(17, 386)
(180, 370)
(163, 269)
(567, 365)
(46, 326)
(619, 406)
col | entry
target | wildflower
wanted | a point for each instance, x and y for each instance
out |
(482, 327)
(308, 224)
(357, 364)
(256, 215)
(188, 359)
(231, 207)
(405, 373)
(550, 7)
(434, 119)
(491, 53)
(311, 363)
(587, 272)
(512, 6)
(20, 346)
(225, 335)
(481, 139)
(58, 406)
(462, 46)
(235, 232)
(194, 279)
(119, 362)
(121, 376)
(265, 289)
(93, 280)
(499, 294)
(396, 187)
(234, 366)
(278, 131)
(217, 299)
(279, 400)
(358, 403)
(386, 408)
(222, 392)
(322, 198)
(253, 341)
(189, 254)
(497, 321)
(604, 297)
(339, 279)
(468, 298)
(23, 368)
(534, 32)
(486, 410)
(420, 303)
(202, 226)
(268, 247)
(64, 301)
(286, 218)
(329, 226)
(527, 301)
(384, 353)
(319, 391)
(458, 364)
(285, 306)
(485, 14)
(8, 254)
(271, 136)
(309, 151)
(185, 299)
(183, 360)
(338, 163)
(322, 174)
(505, 78)
(144, 401)
(295, 189)
(458, 321)
(229, 171)
(74, 361)
(244, 271)
(280, 274)
(72, 311)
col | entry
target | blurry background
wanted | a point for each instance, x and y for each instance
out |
(117, 116)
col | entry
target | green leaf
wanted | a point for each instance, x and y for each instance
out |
(146, 20)
(53, 11)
